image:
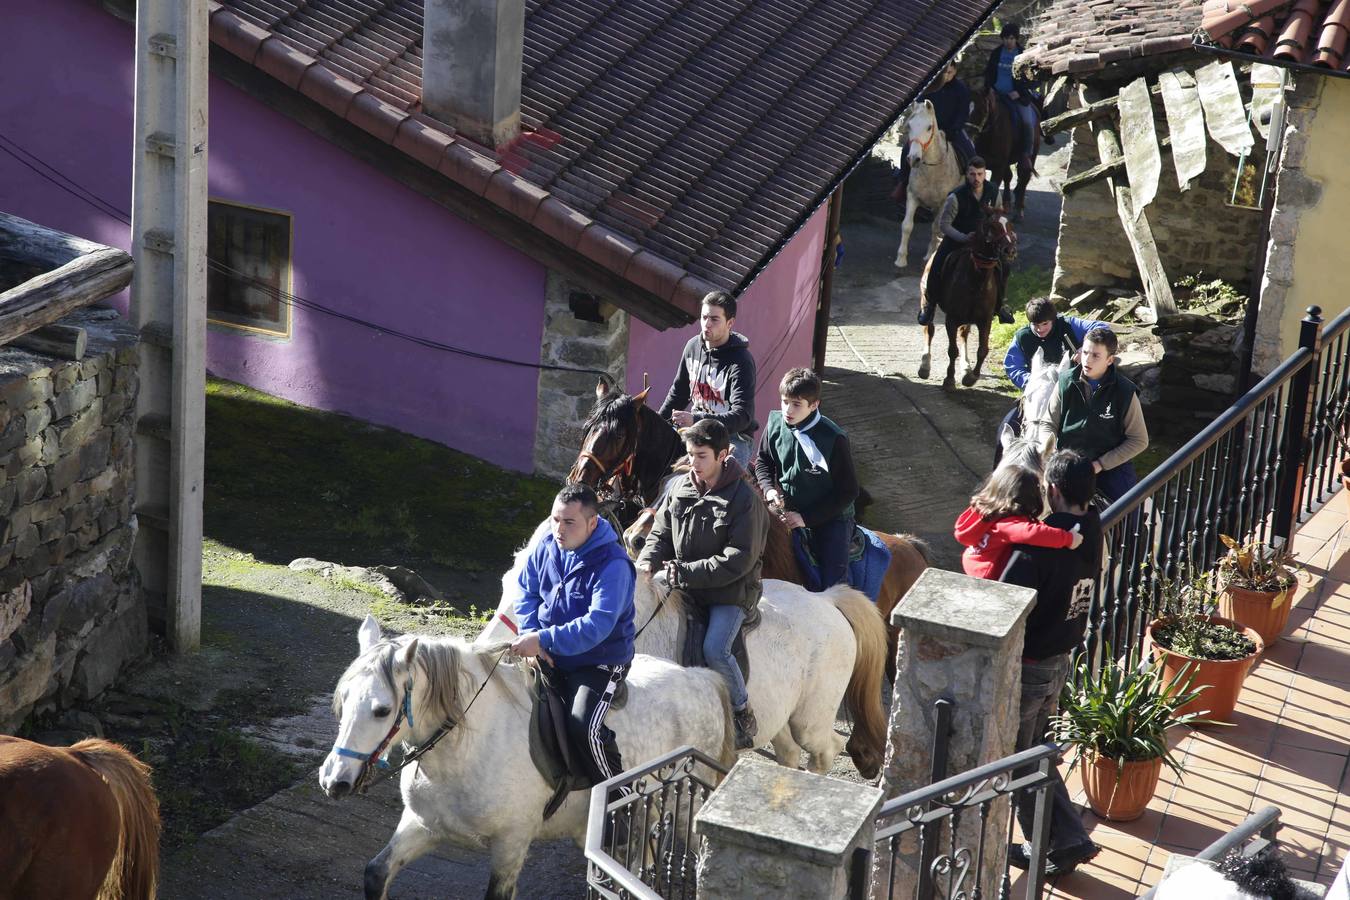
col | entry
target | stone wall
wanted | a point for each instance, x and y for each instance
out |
(1196, 230)
(571, 339)
(71, 609)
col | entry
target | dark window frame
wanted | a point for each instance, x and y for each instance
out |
(286, 275)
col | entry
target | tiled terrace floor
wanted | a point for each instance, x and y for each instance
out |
(1288, 747)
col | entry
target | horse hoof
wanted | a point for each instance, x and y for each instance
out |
(901, 262)
(1017, 216)
(969, 379)
(949, 384)
(923, 368)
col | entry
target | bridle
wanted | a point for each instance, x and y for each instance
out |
(366, 778)
(934, 131)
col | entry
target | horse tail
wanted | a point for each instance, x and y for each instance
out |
(135, 868)
(867, 745)
(920, 546)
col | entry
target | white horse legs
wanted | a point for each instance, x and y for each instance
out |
(906, 229)
(410, 840)
(508, 856)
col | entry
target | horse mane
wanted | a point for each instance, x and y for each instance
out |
(440, 661)
(614, 410)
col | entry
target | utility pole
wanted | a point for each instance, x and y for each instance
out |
(168, 306)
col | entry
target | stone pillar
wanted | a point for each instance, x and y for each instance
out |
(472, 52)
(960, 638)
(770, 831)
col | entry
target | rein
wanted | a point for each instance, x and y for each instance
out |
(364, 781)
(924, 145)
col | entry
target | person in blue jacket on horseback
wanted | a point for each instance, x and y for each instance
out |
(576, 613)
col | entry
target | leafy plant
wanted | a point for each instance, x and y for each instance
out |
(1123, 713)
(1188, 601)
(1256, 566)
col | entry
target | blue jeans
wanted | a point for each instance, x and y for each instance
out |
(1024, 119)
(830, 542)
(1041, 683)
(723, 622)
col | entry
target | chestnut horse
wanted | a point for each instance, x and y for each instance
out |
(77, 823)
(996, 143)
(629, 449)
(972, 283)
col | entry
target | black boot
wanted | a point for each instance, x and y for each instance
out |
(925, 314)
(746, 726)
(1005, 315)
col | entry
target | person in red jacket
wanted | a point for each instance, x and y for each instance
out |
(1006, 511)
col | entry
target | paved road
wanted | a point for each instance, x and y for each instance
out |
(921, 451)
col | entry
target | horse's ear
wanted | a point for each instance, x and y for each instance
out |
(1006, 437)
(369, 634)
(640, 399)
(601, 387)
(407, 654)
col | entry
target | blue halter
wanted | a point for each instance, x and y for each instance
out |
(381, 760)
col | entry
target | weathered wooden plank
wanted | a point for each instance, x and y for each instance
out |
(48, 297)
(1100, 171)
(1225, 116)
(1186, 123)
(1157, 287)
(61, 341)
(1090, 112)
(23, 241)
(1139, 135)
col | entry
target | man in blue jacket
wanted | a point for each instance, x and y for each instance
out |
(576, 613)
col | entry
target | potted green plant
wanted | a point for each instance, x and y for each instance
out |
(1189, 635)
(1257, 586)
(1117, 722)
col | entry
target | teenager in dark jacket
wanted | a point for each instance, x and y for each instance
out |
(1099, 414)
(951, 105)
(805, 469)
(1017, 94)
(1062, 579)
(957, 221)
(709, 537)
(576, 612)
(716, 378)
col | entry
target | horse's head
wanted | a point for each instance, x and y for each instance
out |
(995, 237)
(1037, 441)
(635, 537)
(380, 699)
(922, 131)
(612, 430)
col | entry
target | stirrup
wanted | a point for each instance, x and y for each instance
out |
(926, 314)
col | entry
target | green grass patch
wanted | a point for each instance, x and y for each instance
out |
(283, 481)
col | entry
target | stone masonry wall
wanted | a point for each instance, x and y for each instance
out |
(566, 398)
(1196, 230)
(71, 609)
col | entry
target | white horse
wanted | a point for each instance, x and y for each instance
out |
(477, 788)
(806, 657)
(934, 172)
(1039, 434)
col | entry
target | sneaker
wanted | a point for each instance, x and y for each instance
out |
(1019, 856)
(925, 315)
(1005, 315)
(1048, 140)
(1065, 860)
(746, 726)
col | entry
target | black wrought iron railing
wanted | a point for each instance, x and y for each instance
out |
(1256, 471)
(640, 837)
(1255, 835)
(952, 835)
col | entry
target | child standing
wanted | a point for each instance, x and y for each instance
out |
(1004, 512)
(805, 469)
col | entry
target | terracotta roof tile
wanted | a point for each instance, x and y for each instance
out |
(241, 38)
(660, 136)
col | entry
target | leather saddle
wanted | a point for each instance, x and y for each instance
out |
(558, 760)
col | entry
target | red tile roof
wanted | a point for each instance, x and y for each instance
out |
(1077, 37)
(678, 143)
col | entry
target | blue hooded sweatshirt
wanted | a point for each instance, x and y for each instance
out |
(580, 601)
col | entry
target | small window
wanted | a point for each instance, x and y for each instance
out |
(248, 279)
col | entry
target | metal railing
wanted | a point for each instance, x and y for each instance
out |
(944, 830)
(1255, 835)
(1256, 471)
(640, 844)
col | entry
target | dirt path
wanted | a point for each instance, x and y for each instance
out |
(920, 450)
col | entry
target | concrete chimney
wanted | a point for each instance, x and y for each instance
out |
(471, 62)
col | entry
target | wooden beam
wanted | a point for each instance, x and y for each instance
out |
(1092, 112)
(22, 241)
(61, 341)
(1157, 287)
(44, 299)
(1103, 170)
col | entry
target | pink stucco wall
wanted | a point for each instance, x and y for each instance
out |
(777, 314)
(363, 244)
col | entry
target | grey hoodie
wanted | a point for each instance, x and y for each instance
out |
(720, 381)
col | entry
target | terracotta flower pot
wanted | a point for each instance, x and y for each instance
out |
(1258, 610)
(1123, 799)
(1224, 677)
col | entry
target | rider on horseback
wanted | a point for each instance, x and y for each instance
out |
(1017, 94)
(709, 540)
(576, 613)
(718, 373)
(805, 469)
(958, 221)
(951, 105)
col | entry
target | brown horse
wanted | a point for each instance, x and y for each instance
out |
(79, 823)
(629, 450)
(997, 142)
(972, 284)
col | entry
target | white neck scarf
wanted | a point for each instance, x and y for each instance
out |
(809, 446)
